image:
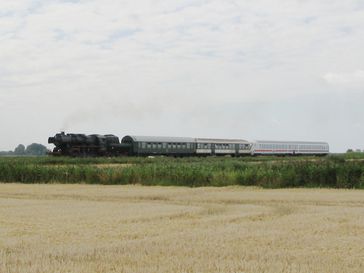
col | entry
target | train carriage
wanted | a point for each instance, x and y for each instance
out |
(266, 147)
(212, 146)
(154, 145)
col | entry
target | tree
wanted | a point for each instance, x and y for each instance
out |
(20, 150)
(6, 153)
(36, 149)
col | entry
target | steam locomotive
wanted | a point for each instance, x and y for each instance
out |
(86, 145)
(110, 145)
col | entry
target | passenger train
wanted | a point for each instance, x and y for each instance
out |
(109, 145)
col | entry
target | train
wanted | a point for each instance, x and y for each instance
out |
(78, 145)
(86, 145)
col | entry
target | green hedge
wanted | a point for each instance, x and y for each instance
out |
(268, 172)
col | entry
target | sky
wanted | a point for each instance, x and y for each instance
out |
(262, 69)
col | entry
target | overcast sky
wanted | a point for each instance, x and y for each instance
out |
(262, 69)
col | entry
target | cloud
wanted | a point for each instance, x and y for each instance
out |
(350, 80)
(149, 65)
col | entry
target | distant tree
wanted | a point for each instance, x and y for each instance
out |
(20, 150)
(6, 153)
(349, 151)
(36, 149)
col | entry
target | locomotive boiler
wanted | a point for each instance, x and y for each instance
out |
(87, 145)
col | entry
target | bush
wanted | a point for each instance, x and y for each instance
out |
(267, 172)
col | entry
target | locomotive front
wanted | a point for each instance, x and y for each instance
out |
(87, 145)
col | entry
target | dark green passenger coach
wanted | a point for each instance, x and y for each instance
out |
(151, 145)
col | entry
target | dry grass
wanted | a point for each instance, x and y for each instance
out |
(79, 228)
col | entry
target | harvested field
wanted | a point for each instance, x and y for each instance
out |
(86, 228)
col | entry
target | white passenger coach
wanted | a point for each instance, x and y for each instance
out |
(212, 146)
(263, 147)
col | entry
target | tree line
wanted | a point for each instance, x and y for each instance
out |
(34, 149)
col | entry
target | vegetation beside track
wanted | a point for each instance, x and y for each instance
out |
(335, 171)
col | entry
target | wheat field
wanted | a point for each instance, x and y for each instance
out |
(86, 228)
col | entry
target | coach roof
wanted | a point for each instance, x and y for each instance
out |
(217, 140)
(157, 139)
(290, 142)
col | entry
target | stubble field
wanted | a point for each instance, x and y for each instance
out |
(87, 228)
